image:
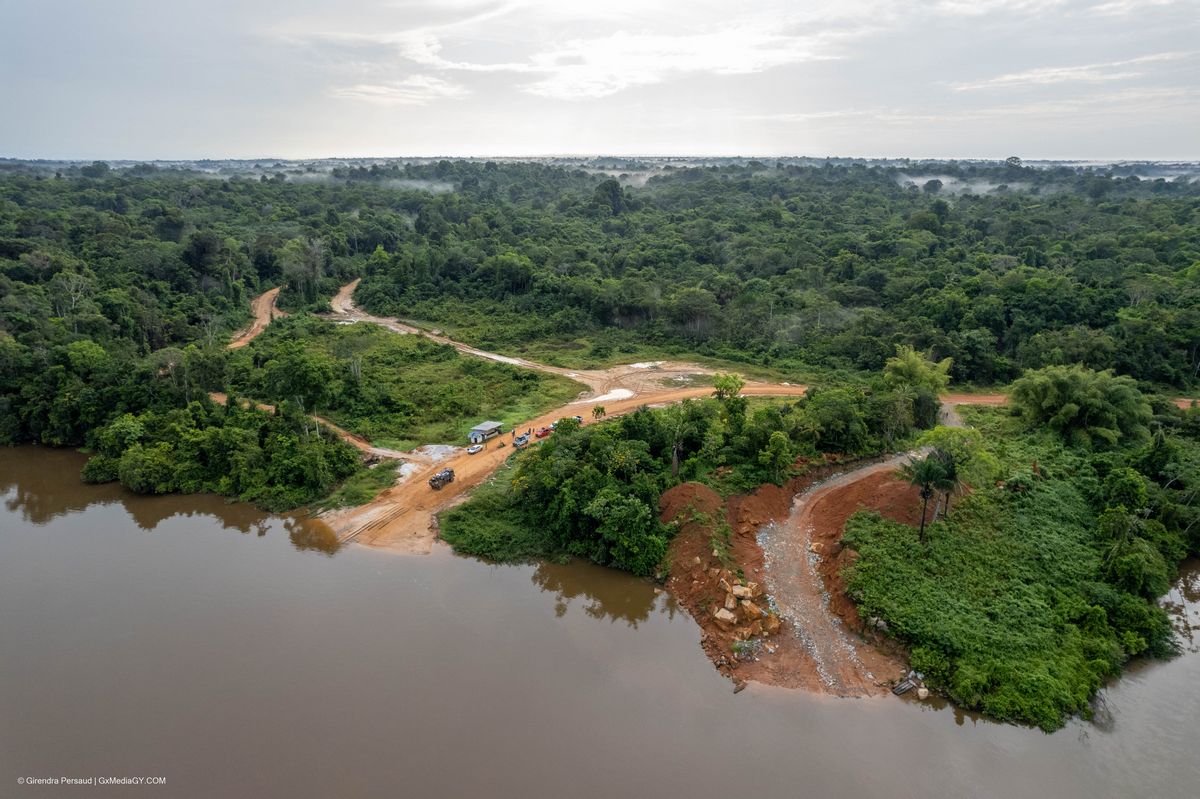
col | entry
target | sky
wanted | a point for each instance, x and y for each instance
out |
(180, 79)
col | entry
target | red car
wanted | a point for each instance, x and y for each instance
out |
(543, 432)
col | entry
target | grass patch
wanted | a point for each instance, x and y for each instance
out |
(492, 526)
(499, 328)
(362, 486)
(403, 390)
(1005, 606)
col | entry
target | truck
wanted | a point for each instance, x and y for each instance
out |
(444, 477)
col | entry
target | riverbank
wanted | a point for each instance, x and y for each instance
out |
(777, 539)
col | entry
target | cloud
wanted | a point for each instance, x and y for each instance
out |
(635, 43)
(1121, 7)
(1087, 73)
(414, 90)
(975, 8)
(598, 67)
(1127, 102)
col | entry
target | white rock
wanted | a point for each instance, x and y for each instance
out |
(724, 616)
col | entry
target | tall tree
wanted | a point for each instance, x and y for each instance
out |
(925, 473)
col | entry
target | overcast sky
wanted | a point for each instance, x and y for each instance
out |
(307, 78)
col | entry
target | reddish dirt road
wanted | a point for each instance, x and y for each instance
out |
(618, 382)
(801, 555)
(413, 530)
(794, 553)
(402, 518)
(264, 310)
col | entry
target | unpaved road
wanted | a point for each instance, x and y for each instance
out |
(402, 518)
(264, 310)
(795, 584)
(413, 529)
(605, 384)
(792, 554)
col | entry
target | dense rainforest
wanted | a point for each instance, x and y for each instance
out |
(120, 288)
(814, 267)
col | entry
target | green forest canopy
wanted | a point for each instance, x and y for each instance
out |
(119, 289)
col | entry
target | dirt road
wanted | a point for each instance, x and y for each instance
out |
(797, 576)
(412, 530)
(618, 382)
(402, 517)
(792, 558)
(264, 310)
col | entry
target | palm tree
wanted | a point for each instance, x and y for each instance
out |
(924, 473)
(949, 481)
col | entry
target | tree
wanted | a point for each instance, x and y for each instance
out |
(925, 473)
(913, 369)
(948, 481)
(776, 456)
(304, 262)
(964, 446)
(96, 169)
(693, 309)
(598, 412)
(727, 386)
(835, 419)
(1087, 408)
(610, 195)
(629, 530)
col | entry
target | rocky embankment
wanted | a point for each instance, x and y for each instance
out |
(719, 572)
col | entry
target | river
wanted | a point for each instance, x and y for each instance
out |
(237, 654)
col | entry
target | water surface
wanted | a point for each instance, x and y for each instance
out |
(240, 654)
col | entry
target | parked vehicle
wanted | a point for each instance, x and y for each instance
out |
(543, 432)
(474, 448)
(442, 478)
(521, 440)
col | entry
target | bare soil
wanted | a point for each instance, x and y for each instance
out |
(696, 573)
(413, 529)
(806, 651)
(786, 539)
(402, 518)
(264, 310)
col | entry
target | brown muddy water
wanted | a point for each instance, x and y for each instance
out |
(237, 655)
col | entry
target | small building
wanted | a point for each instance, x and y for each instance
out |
(483, 431)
